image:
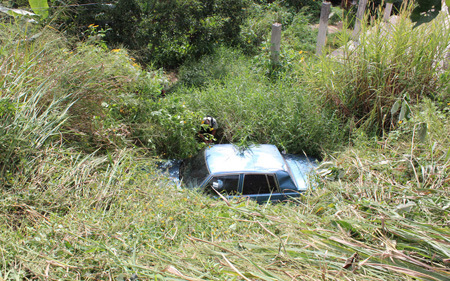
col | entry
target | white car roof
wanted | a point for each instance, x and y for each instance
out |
(222, 158)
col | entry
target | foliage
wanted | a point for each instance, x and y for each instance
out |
(379, 212)
(389, 67)
(300, 37)
(170, 128)
(116, 216)
(30, 117)
(189, 29)
(310, 7)
(426, 10)
(97, 121)
(257, 26)
(208, 69)
(227, 86)
(25, 127)
(295, 22)
(167, 33)
(40, 7)
(375, 8)
(251, 108)
(159, 32)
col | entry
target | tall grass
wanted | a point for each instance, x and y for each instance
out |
(251, 108)
(98, 79)
(253, 101)
(109, 217)
(389, 64)
(30, 119)
(379, 212)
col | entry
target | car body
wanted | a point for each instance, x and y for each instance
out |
(259, 172)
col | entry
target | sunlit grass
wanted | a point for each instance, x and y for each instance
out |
(389, 63)
(380, 210)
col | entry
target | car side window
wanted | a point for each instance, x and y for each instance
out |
(224, 184)
(259, 184)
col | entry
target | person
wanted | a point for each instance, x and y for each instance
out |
(208, 129)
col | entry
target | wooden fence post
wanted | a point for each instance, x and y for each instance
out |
(359, 17)
(323, 26)
(387, 12)
(275, 42)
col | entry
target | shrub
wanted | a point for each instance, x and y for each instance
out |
(299, 35)
(103, 87)
(208, 69)
(170, 128)
(163, 33)
(311, 7)
(252, 109)
(257, 27)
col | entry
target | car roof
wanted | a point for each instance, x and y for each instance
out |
(224, 158)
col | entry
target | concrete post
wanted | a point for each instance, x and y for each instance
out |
(359, 17)
(275, 42)
(323, 26)
(387, 12)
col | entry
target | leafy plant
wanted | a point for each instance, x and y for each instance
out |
(251, 108)
(379, 214)
(170, 128)
(40, 7)
(163, 33)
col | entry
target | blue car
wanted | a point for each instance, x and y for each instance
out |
(259, 172)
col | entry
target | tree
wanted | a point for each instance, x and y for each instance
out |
(426, 10)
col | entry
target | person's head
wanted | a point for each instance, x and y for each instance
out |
(209, 120)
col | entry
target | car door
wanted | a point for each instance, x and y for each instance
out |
(261, 187)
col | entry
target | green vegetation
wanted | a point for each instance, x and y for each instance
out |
(167, 33)
(392, 68)
(82, 126)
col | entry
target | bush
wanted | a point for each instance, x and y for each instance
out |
(257, 27)
(252, 109)
(163, 33)
(209, 69)
(310, 7)
(104, 88)
(170, 128)
(300, 36)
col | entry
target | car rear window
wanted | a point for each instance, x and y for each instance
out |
(194, 170)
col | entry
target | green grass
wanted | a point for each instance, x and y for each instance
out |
(99, 217)
(250, 107)
(80, 202)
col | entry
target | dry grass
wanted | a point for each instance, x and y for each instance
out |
(379, 212)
